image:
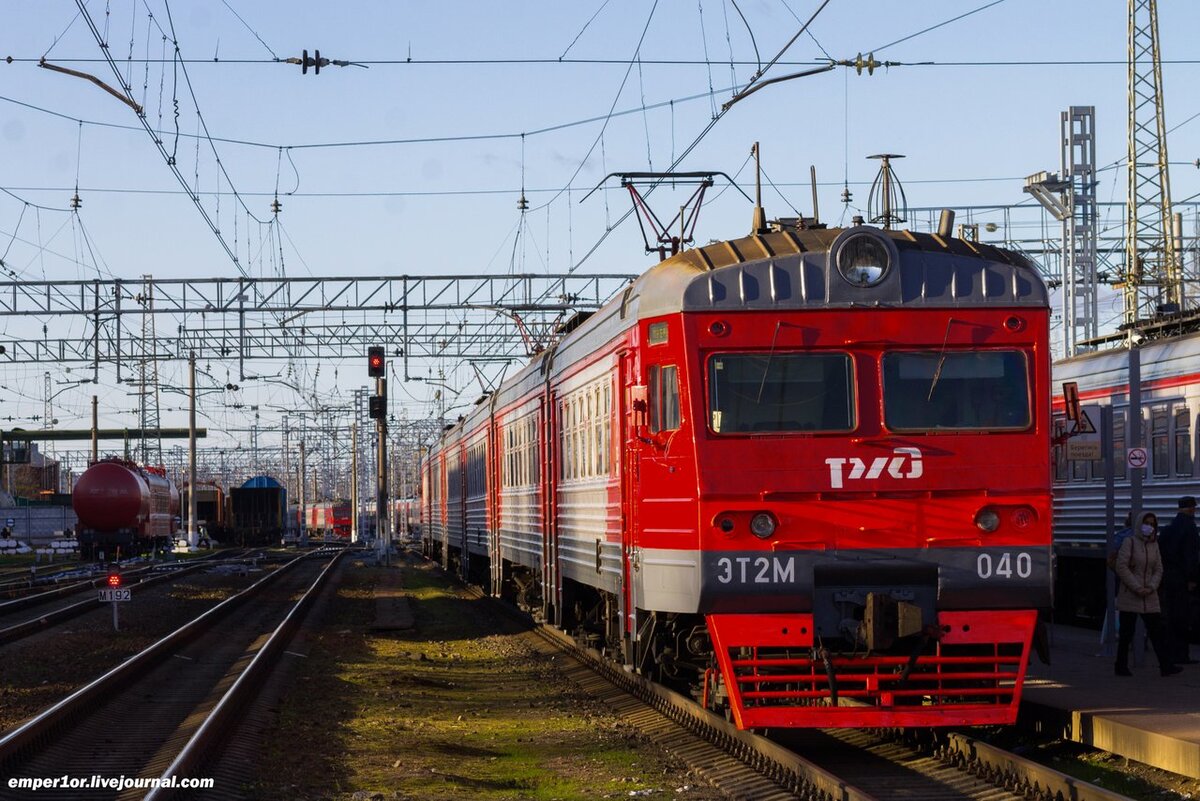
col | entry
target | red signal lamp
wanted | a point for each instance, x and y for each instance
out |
(375, 366)
(114, 578)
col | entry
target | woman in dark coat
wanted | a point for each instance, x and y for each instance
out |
(1140, 569)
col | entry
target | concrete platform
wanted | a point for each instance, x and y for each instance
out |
(1149, 718)
(392, 609)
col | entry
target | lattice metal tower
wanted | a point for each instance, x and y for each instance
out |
(1151, 271)
(1080, 308)
(148, 407)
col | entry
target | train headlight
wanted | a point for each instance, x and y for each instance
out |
(987, 520)
(863, 259)
(762, 525)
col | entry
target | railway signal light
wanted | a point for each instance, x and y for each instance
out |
(377, 406)
(114, 578)
(375, 365)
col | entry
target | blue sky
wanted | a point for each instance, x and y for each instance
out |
(970, 131)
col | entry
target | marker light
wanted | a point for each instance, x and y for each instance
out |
(987, 520)
(1023, 517)
(762, 525)
(114, 578)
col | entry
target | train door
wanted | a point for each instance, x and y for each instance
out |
(492, 484)
(548, 424)
(460, 510)
(631, 411)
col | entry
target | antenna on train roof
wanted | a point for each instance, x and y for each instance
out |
(812, 173)
(759, 223)
(887, 204)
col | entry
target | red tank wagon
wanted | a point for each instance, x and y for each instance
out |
(123, 506)
(802, 474)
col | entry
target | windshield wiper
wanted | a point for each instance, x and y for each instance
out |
(937, 373)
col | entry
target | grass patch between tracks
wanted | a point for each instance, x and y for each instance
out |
(461, 707)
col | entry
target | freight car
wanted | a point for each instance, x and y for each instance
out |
(801, 474)
(124, 509)
(258, 509)
(212, 510)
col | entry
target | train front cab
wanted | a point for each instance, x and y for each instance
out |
(872, 515)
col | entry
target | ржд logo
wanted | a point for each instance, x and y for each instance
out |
(859, 469)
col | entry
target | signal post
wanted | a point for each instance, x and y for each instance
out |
(377, 406)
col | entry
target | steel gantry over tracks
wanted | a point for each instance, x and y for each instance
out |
(466, 317)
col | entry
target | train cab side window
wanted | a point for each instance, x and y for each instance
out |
(664, 398)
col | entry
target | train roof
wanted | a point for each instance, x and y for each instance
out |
(792, 269)
(1172, 358)
(261, 482)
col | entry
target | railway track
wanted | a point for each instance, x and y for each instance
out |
(164, 710)
(17, 621)
(830, 765)
(15, 579)
(824, 765)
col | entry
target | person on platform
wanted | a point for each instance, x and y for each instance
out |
(1140, 569)
(1179, 545)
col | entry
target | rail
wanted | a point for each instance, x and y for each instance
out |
(225, 714)
(43, 726)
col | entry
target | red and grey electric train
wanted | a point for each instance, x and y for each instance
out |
(803, 474)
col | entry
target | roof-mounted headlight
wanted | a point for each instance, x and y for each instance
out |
(863, 258)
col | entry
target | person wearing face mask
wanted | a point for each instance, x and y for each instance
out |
(1140, 570)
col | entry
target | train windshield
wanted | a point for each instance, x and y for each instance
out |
(979, 390)
(776, 392)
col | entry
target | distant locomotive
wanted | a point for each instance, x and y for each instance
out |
(328, 520)
(801, 474)
(124, 509)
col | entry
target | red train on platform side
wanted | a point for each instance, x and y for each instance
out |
(124, 508)
(801, 474)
